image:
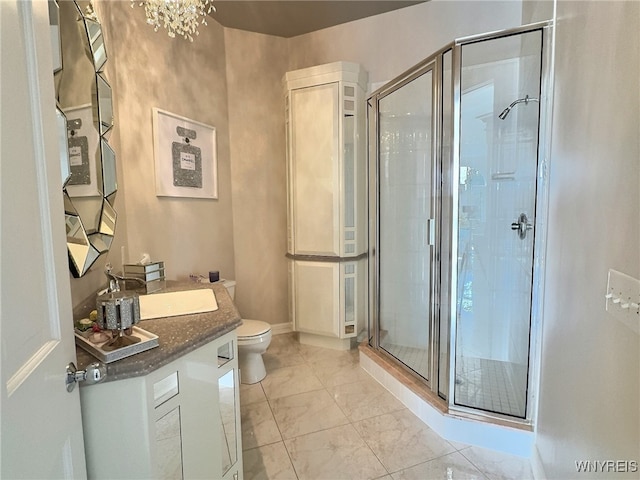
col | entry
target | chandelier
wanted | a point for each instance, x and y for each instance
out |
(179, 17)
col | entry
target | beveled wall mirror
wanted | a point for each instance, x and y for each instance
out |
(85, 118)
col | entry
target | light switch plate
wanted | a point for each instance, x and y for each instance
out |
(623, 299)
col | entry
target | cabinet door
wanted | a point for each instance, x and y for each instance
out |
(317, 297)
(315, 169)
(229, 406)
(168, 429)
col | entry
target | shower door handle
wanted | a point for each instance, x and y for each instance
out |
(431, 231)
(522, 225)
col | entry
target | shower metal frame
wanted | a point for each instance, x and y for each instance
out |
(444, 201)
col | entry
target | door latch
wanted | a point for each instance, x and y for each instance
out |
(95, 373)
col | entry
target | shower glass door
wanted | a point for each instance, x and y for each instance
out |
(405, 228)
(498, 160)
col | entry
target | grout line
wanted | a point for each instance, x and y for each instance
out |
(477, 467)
(293, 465)
(371, 450)
(280, 432)
(428, 461)
(263, 445)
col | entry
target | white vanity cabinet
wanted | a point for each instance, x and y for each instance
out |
(179, 421)
(326, 228)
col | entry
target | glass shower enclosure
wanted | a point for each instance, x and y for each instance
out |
(454, 206)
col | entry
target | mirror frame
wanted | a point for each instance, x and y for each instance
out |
(86, 247)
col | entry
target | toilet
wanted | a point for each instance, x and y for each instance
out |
(254, 337)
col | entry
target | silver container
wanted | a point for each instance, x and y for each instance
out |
(118, 310)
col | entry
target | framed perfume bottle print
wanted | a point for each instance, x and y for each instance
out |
(82, 142)
(185, 157)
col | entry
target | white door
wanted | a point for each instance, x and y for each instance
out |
(41, 429)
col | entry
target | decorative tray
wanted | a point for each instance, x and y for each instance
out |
(147, 341)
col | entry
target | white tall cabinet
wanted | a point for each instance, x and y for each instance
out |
(326, 175)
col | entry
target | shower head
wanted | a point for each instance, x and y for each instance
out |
(524, 100)
(504, 113)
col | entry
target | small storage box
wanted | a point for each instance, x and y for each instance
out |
(152, 273)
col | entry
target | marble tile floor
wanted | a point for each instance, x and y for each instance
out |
(317, 415)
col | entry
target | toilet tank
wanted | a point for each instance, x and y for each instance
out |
(230, 285)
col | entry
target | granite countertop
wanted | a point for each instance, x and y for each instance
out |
(176, 335)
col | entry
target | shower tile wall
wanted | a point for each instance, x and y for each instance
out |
(408, 294)
(404, 307)
(499, 180)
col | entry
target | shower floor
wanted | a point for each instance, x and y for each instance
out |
(417, 359)
(491, 385)
(482, 383)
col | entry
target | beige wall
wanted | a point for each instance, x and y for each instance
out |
(590, 379)
(255, 65)
(188, 79)
(537, 11)
(386, 45)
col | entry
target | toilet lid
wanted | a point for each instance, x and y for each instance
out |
(252, 328)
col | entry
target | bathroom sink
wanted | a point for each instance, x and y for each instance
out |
(170, 304)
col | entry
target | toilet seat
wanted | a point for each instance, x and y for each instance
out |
(252, 328)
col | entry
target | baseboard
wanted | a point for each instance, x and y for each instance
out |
(280, 328)
(326, 342)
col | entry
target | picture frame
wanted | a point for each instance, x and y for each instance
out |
(83, 147)
(185, 154)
